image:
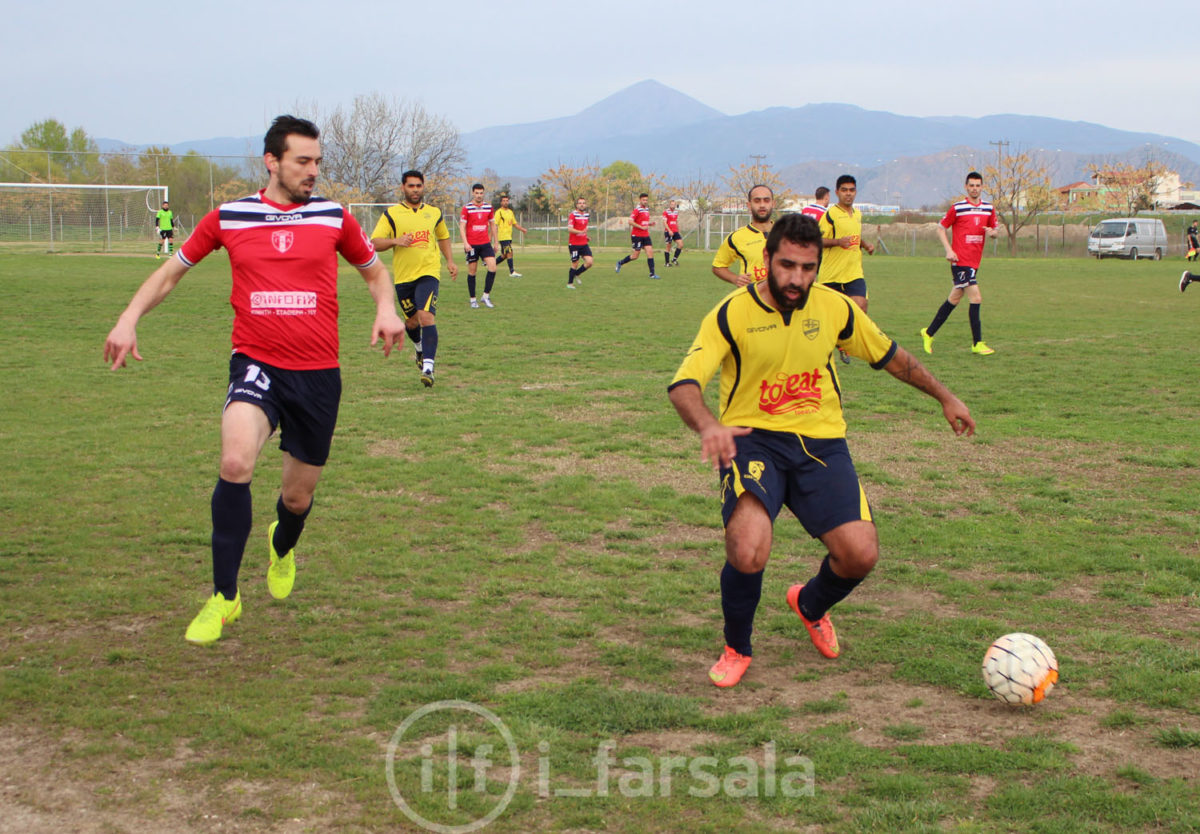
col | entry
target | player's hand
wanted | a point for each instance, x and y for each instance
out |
(121, 343)
(845, 242)
(718, 445)
(743, 279)
(390, 328)
(405, 239)
(868, 248)
(959, 418)
(952, 256)
(452, 268)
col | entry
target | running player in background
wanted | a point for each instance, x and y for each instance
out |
(820, 204)
(639, 235)
(744, 246)
(506, 221)
(416, 232)
(671, 234)
(971, 221)
(577, 243)
(478, 230)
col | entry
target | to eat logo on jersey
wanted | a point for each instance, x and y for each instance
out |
(282, 239)
(789, 393)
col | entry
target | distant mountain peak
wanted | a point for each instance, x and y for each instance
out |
(648, 105)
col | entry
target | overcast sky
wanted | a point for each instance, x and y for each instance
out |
(172, 72)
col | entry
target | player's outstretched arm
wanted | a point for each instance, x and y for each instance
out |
(388, 326)
(905, 367)
(122, 339)
(735, 278)
(717, 444)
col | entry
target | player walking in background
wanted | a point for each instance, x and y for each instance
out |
(577, 242)
(841, 226)
(164, 220)
(506, 221)
(820, 204)
(1193, 240)
(478, 229)
(417, 233)
(671, 234)
(639, 235)
(971, 221)
(744, 245)
(781, 437)
(283, 244)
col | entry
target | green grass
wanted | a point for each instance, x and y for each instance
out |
(537, 536)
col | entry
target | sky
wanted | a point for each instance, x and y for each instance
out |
(167, 73)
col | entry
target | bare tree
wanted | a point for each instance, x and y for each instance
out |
(368, 146)
(741, 178)
(701, 196)
(1020, 189)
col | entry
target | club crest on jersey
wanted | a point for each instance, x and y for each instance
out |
(811, 328)
(282, 239)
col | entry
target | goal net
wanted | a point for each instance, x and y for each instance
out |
(80, 218)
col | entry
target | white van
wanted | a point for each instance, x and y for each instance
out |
(1128, 237)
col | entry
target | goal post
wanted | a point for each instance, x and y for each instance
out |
(88, 218)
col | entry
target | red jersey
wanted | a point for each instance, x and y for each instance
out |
(577, 225)
(671, 219)
(640, 217)
(284, 263)
(967, 222)
(477, 217)
(814, 210)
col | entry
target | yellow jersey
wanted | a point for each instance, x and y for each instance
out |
(423, 256)
(505, 220)
(777, 369)
(838, 265)
(743, 246)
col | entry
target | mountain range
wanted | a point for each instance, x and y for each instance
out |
(898, 159)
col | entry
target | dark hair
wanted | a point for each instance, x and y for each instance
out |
(844, 179)
(477, 185)
(799, 229)
(643, 194)
(275, 142)
(407, 175)
(974, 175)
(820, 192)
(759, 185)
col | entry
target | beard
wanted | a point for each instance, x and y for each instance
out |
(783, 300)
(762, 216)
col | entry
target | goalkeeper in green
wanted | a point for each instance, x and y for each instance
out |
(165, 221)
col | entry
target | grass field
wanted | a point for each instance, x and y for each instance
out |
(537, 537)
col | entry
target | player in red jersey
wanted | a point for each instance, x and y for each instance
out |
(283, 245)
(639, 234)
(820, 204)
(972, 220)
(577, 242)
(477, 225)
(671, 233)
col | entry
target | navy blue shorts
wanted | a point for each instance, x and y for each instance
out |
(812, 477)
(638, 242)
(963, 276)
(856, 287)
(479, 252)
(670, 236)
(420, 294)
(505, 249)
(579, 250)
(303, 405)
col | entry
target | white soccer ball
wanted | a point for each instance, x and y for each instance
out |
(1020, 669)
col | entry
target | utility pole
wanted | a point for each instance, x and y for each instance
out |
(1001, 146)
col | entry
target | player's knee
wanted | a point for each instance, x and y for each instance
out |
(236, 468)
(425, 318)
(858, 562)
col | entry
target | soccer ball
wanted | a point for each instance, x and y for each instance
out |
(1020, 669)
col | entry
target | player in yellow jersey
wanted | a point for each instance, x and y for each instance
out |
(744, 247)
(506, 221)
(780, 439)
(417, 233)
(841, 226)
